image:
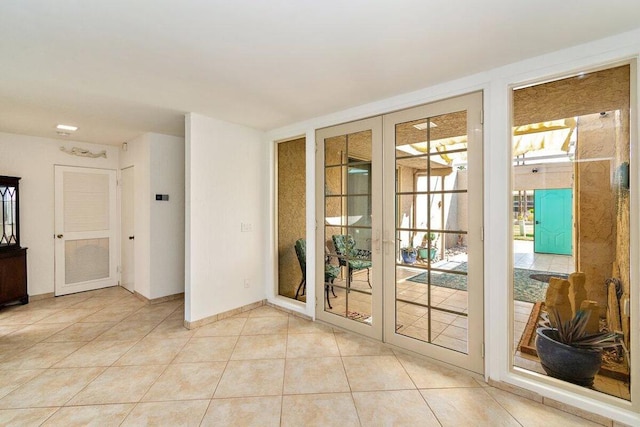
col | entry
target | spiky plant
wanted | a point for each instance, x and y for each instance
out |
(573, 332)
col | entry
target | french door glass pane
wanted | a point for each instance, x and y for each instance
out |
(431, 228)
(347, 226)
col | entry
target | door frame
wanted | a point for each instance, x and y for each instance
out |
(59, 242)
(124, 238)
(374, 330)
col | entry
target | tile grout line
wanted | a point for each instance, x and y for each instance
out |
(502, 406)
(226, 363)
(115, 361)
(284, 373)
(135, 404)
(344, 369)
(417, 388)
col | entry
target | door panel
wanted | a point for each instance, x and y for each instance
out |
(553, 221)
(127, 235)
(434, 270)
(85, 215)
(349, 174)
(432, 192)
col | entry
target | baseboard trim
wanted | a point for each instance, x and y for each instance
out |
(289, 311)
(223, 315)
(41, 296)
(598, 419)
(158, 300)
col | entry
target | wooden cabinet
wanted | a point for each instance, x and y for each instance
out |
(13, 276)
(13, 258)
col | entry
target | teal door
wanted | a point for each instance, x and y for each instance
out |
(553, 221)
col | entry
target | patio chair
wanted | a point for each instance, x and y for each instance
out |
(351, 257)
(330, 271)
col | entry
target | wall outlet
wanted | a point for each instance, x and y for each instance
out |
(246, 283)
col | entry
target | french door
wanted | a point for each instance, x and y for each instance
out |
(400, 244)
(348, 242)
(434, 303)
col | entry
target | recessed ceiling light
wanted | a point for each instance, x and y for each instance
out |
(423, 126)
(67, 128)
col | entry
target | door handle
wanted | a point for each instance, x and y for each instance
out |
(385, 239)
(59, 236)
(132, 237)
(377, 241)
(537, 222)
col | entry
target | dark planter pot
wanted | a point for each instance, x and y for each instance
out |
(409, 257)
(575, 365)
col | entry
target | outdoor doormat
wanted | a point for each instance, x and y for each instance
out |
(360, 317)
(610, 367)
(528, 285)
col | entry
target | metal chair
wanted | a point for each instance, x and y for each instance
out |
(351, 257)
(330, 271)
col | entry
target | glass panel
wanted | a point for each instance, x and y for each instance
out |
(333, 181)
(9, 219)
(335, 150)
(431, 225)
(348, 264)
(86, 201)
(335, 206)
(447, 211)
(359, 208)
(570, 193)
(291, 218)
(359, 146)
(86, 259)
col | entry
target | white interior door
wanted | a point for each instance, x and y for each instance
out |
(127, 236)
(85, 229)
(433, 269)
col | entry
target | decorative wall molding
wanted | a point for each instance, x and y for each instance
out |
(76, 151)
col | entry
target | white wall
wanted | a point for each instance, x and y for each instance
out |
(167, 217)
(33, 159)
(547, 176)
(226, 185)
(496, 85)
(158, 162)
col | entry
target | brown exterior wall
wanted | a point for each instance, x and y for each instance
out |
(291, 212)
(605, 90)
(595, 203)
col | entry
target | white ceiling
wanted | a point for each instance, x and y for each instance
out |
(118, 68)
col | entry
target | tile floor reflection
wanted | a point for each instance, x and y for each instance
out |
(105, 358)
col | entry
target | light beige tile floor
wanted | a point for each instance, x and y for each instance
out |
(103, 358)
